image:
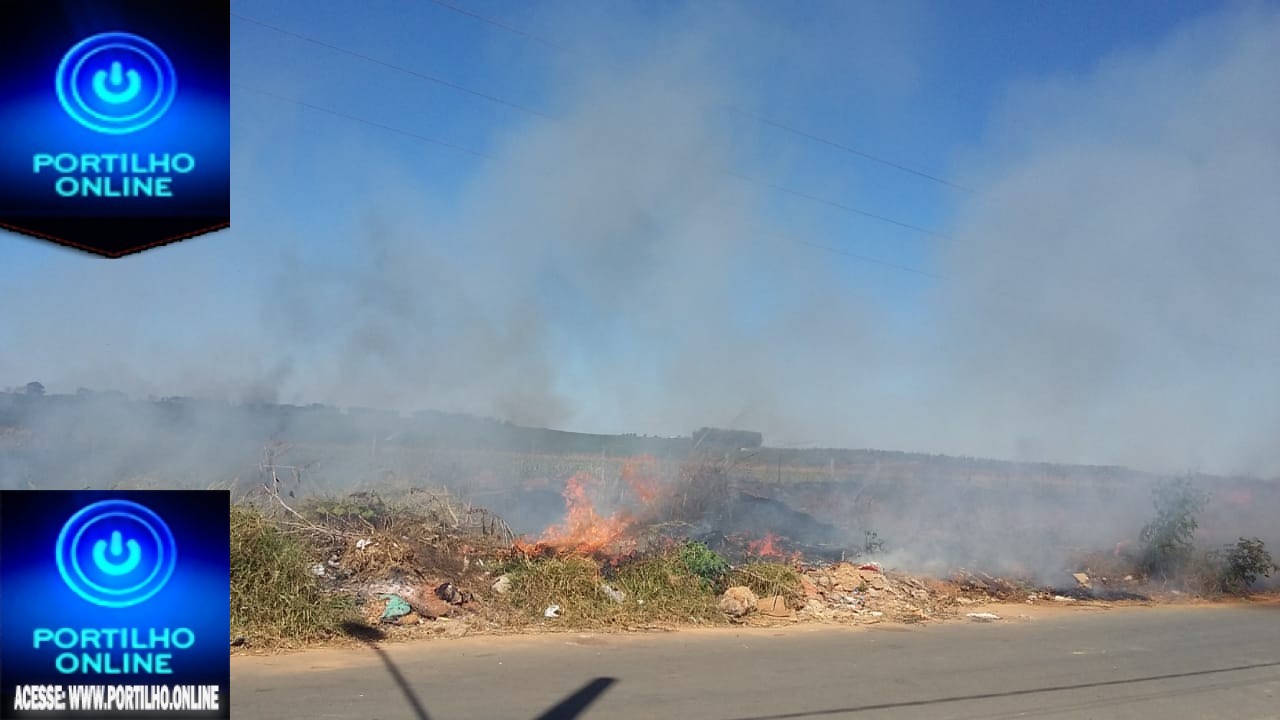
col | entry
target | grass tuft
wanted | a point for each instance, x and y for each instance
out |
(275, 600)
(658, 589)
(767, 579)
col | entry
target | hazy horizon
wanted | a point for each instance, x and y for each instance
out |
(1089, 276)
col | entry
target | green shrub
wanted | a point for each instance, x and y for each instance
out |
(1168, 540)
(348, 511)
(1245, 563)
(704, 563)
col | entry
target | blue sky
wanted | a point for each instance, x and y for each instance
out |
(288, 300)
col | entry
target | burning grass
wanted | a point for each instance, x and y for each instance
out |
(636, 549)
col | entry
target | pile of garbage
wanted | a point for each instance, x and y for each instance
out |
(847, 592)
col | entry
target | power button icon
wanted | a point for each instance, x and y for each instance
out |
(116, 553)
(116, 83)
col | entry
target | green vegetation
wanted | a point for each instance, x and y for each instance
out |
(1168, 541)
(1169, 551)
(1243, 564)
(703, 562)
(357, 507)
(275, 600)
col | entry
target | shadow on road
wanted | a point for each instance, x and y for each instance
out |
(567, 709)
(574, 705)
(1010, 693)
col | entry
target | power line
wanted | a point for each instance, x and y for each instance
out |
(841, 206)
(522, 108)
(393, 66)
(434, 141)
(852, 151)
(500, 24)
(868, 259)
(370, 123)
(754, 116)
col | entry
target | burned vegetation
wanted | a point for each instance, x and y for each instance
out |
(642, 545)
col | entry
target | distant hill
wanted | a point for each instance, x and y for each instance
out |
(106, 419)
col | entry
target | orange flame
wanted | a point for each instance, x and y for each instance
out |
(640, 474)
(584, 530)
(766, 546)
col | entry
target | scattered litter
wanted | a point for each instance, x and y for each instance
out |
(238, 641)
(396, 607)
(502, 584)
(552, 611)
(983, 617)
(1082, 579)
(1063, 598)
(363, 543)
(873, 566)
(450, 593)
(614, 594)
(876, 613)
(318, 569)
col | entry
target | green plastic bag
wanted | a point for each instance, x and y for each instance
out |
(396, 607)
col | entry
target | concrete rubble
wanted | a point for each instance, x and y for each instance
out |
(775, 606)
(850, 592)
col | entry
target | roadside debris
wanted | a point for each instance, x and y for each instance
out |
(849, 592)
(613, 593)
(774, 606)
(502, 585)
(450, 593)
(1081, 578)
(552, 611)
(982, 616)
(737, 601)
(397, 607)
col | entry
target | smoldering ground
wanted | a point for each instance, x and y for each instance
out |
(1105, 295)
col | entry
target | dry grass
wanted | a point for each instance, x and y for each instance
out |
(769, 579)
(656, 590)
(275, 599)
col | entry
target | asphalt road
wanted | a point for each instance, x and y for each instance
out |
(1196, 662)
